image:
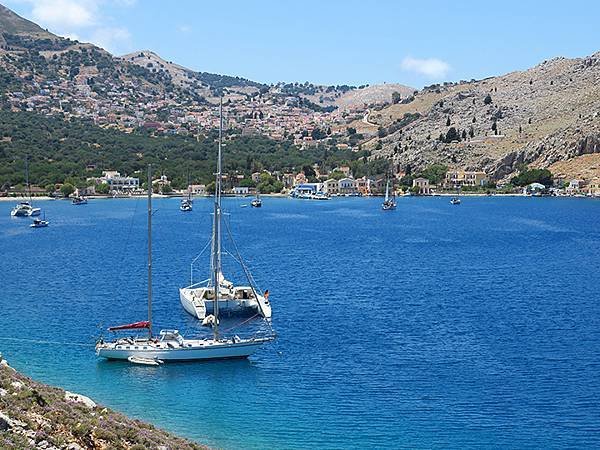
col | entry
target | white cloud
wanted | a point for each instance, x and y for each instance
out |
(184, 28)
(115, 40)
(64, 14)
(430, 67)
(84, 21)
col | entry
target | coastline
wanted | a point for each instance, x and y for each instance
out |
(159, 196)
(36, 415)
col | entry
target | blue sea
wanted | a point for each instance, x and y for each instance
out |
(431, 326)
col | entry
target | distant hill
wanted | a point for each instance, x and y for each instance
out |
(540, 116)
(15, 24)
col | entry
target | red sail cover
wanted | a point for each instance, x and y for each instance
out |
(131, 326)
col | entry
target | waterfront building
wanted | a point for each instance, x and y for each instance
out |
(347, 186)
(331, 187)
(594, 187)
(423, 185)
(118, 183)
(575, 186)
(307, 189)
(362, 185)
(465, 178)
(197, 189)
(241, 190)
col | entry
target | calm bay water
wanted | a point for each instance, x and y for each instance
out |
(429, 326)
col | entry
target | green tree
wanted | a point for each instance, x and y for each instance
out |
(102, 188)
(528, 176)
(435, 173)
(487, 100)
(67, 189)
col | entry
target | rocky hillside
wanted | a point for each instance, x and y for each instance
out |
(539, 117)
(31, 57)
(33, 415)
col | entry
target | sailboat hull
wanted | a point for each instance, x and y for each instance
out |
(234, 307)
(192, 351)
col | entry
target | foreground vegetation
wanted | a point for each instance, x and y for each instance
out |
(33, 415)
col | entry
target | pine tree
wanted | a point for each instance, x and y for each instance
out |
(448, 121)
(487, 100)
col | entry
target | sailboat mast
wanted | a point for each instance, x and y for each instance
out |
(149, 251)
(27, 177)
(217, 226)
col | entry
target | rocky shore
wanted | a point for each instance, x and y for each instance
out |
(34, 415)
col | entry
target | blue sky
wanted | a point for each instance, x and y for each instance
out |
(332, 42)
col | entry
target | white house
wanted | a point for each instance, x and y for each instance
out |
(347, 186)
(241, 190)
(197, 189)
(118, 183)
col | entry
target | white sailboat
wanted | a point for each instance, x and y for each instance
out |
(170, 345)
(187, 204)
(26, 209)
(389, 203)
(257, 202)
(198, 299)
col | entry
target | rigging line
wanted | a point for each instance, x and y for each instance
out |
(241, 323)
(202, 251)
(249, 276)
(39, 341)
(196, 259)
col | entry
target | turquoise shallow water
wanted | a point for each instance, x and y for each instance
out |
(429, 326)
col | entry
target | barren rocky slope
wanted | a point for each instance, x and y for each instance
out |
(543, 115)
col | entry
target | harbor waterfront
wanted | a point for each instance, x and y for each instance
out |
(428, 326)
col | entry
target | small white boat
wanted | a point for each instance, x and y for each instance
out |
(39, 223)
(456, 199)
(319, 196)
(145, 361)
(185, 206)
(79, 201)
